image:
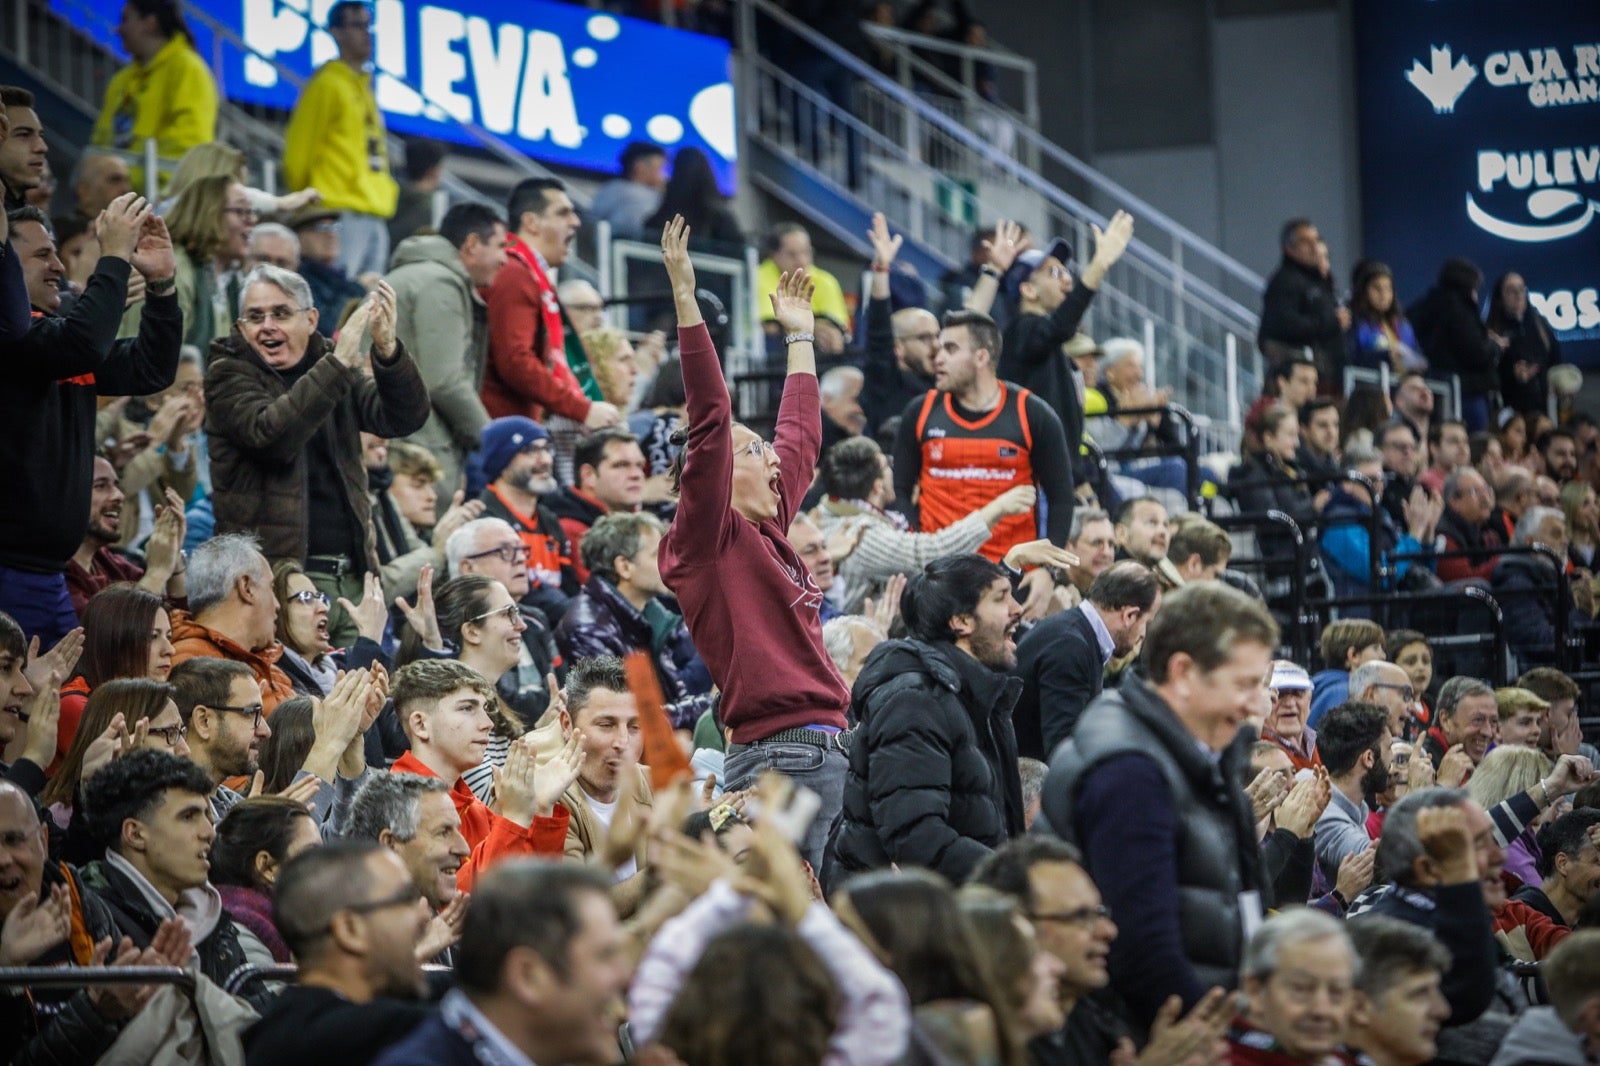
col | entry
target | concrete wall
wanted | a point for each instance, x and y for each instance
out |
(1229, 115)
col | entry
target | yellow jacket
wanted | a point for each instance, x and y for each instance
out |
(171, 98)
(827, 300)
(337, 143)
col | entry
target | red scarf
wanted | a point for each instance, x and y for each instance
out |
(555, 339)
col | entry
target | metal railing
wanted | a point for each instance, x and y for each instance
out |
(936, 179)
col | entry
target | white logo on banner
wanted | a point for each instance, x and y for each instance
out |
(1558, 212)
(1444, 82)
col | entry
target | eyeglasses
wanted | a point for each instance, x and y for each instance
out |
(242, 212)
(1081, 916)
(509, 612)
(168, 733)
(584, 307)
(756, 448)
(310, 596)
(506, 553)
(406, 897)
(255, 710)
(282, 313)
(1407, 693)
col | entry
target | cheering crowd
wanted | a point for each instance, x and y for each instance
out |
(434, 673)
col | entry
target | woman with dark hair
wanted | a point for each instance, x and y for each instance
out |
(1379, 334)
(1367, 408)
(166, 93)
(284, 752)
(311, 662)
(800, 992)
(254, 841)
(910, 920)
(692, 192)
(126, 633)
(1531, 345)
(123, 714)
(1456, 341)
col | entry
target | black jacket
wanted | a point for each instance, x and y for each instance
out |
(1526, 588)
(1455, 339)
(50, 1027)
(222, 960)
(1263, 483)
(1531, 341)
(1030, 355)
(47, 407)
(1300, 310)
(309, 1025)
(1061, 669)
(887, 388)
(933, 763)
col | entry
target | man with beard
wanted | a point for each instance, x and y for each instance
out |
(94, 565)
(353, 918)
(519, 463)
(1353, 740)
(1142, 533)
(933, 777)
(1560, 450)
(1062, 660)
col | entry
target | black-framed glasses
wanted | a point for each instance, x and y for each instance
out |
(1407, 693)
(254, 710)
(310, 596)
(406, 897)
(1081, 916)
(168, 733)
(282, 313)
(509, 612)
(506, 553)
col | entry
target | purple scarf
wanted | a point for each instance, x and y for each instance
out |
(252, 908)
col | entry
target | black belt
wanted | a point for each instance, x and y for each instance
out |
(820, 738)
(330, 565)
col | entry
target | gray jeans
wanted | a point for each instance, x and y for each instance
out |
(822, 770)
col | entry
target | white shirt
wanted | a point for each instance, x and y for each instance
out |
(603, 813)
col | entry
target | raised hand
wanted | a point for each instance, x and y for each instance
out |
(691, 865)
(675, 255)
(111, 744)
(172, 942)
(303, 791)
(162, 550)
(423, 618)
(1005, 246)
(60, 659)
(1111, 242)
(152, 255)
(443, 929)
(371, 614)
(516, 791)
(602, 415)
(1175, 1041)
(774, 874)
(791, 303)
(1305, 803)
(557, 773)
(381, 321)
(44, 721)
(348, 349)
(887, 607)
(33, 928)
(1265, 793)
(1355, 873)
(459, 513)
(1454, 768)
(884, 246)
(1040, 553)
(118, 227)
(1571, 773)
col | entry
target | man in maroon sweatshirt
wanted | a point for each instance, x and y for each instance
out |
(747, 597)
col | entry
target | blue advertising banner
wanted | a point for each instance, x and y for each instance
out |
(560, 82)
(1480, 136)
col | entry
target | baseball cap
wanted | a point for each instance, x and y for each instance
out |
(1286, 676)
(504, 438)
(1026, 263)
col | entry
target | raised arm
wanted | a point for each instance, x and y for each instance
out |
(1008, 243)
(706, 486)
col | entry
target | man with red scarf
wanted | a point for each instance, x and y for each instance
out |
(527, 373)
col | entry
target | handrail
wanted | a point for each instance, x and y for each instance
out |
(907, 44)
(80, 976)
(949, 127)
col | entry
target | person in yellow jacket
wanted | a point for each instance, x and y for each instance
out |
(336, 141)
(166, 93)
(788, 248)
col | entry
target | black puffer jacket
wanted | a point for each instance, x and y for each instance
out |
(1455, 339)
(933, 762)
(1300, 310)
(61, 1028)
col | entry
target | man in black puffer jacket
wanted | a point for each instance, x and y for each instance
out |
(933, 776)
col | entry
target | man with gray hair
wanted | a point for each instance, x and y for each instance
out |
(1299, 970)
(1388, 686)
(1466, 716)
(285, 409)
(274, 244)
(842, 414)
(1529, 590)
(233, 613)
(849, 639)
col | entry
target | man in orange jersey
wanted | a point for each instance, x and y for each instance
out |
(973, 436)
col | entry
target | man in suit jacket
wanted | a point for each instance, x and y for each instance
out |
(1062, 660)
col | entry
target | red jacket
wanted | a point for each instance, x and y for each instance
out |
(490, 836)
(527, 372)
(1516, 922)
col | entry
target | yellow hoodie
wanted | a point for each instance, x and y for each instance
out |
(336, 143)
(171, 98)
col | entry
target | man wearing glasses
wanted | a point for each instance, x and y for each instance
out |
(519, 462)
(285, 412)
(1388, 686)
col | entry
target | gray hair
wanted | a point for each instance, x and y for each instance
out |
(1457, 689)
(217, 564)
(1033, 773)
(1452, 481)
(389, 801)
(191, 355)
(838, 636)
(86, 162)
(292, 284)
(464, 541)
(613, 535)
(574, 287)
(1532, 522)
(1399, 847)
(1367, 674)
(1081, 517)
(1296, 925)
(275, 229)
(1120, 350)
(838, 381)
(1357, 453)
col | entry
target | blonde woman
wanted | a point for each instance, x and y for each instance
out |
(611, 357)
(1507, 771)
(210, 224)
(215, 159)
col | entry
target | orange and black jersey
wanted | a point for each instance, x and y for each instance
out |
(956, 461)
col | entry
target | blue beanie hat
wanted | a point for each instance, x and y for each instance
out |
(504, 438)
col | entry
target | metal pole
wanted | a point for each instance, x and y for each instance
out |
(152, 173)
(1231, 372)
(1150, 351)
